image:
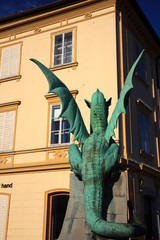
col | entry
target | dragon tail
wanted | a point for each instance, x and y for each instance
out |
(118, 230)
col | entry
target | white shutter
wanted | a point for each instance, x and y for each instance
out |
(7, 121)
(5, 62)
(10, 61)
(2, 124)
(3, 215)
(14, 61)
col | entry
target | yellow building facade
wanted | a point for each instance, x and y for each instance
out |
(88, 45)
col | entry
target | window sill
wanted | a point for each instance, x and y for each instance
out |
(60, 145)
(10, 79)
(143, 81)
(71, 65)
(146, 155)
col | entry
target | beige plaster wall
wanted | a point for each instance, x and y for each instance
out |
(97, 68)
(96, 57)
(27, 203)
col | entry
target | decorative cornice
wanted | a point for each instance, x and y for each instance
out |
(15, 103)
(58, 21)
(53, 95)
(43, 12)
(134, 18)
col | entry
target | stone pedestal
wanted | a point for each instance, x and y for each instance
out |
(115, 209)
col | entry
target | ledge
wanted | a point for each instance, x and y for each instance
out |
(71, 65)
(144, 82)
(146, 155)
(150, 170)
(34, 150)
(138, 167)
(141, 103)
(59, 161)
(15, 103)
(10, 79)
(53, 95)
(49, 167)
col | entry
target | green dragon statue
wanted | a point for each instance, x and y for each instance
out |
(98, 154)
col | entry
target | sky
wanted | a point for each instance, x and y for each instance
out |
(151, 9)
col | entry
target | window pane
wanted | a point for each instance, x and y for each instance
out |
(54, 137)
(141, 125)
(67, 58)
(68, 37)
(144, 133)
(57, 59)
(68, 47)
(54, 125)
(65, 124)
(143, 143)
(65, 137)
(147, 147)
(58, 49)
(56, 112)
(146, 126)
(58, 39)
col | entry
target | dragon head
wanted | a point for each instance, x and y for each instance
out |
(99, 111)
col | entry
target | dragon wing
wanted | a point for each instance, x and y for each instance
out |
(70, 110)
(122, 102)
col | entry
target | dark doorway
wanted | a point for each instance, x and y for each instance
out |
(56, 209)
(148, 219)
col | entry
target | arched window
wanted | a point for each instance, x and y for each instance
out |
(56, 209)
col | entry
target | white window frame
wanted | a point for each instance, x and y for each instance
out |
(62, 54)
(10, 61)
(60, 129)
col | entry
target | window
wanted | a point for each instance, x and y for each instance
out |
(7, 123)
(4, 204)
(63, 45)
(144, 133)
(63, 48)
(8, 113)
(140, 70)
(59, 127)
(56, 209)
(10, 61)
